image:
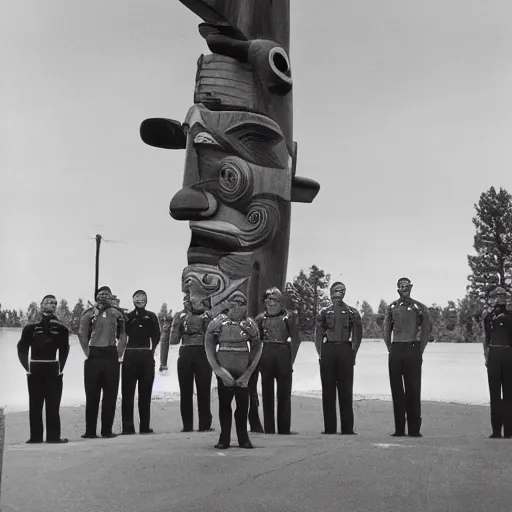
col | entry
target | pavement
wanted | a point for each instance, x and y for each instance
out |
(453, 468)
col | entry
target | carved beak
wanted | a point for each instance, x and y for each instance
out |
(163, 133)
(192, 204)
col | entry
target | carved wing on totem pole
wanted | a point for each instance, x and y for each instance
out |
(240, 162)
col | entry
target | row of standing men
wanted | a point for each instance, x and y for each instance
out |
(111, 339)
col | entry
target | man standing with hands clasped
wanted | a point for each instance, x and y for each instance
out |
(143, 333)
(498, 359)
(338, 335)
(44, 370)
(409, 322)
(100, 329)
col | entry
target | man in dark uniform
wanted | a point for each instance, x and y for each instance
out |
(279, 333)
(102, 335)
(143, 333)
(409, 322)
(44, 370)
(498, 359)
(236, 359)
(189, 326)
(338, 335)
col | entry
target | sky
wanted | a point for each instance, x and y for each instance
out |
(402, 112)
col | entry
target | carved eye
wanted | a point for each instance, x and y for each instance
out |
(235, 179)
(205, 138)
(254, 217)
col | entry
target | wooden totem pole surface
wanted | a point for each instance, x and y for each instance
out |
(240, 161)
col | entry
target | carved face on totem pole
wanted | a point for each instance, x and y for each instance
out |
(239, 177)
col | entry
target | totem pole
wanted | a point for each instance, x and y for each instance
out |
(240, 158)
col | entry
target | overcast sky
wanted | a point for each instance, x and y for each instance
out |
(402, 112)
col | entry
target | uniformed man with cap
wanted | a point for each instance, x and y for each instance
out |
(102, 335)
(189, 326)
(498, 359)
(238, 354)
(44, 371)
(407, 329)
(279, 333)
(143, 334)
(338, 335)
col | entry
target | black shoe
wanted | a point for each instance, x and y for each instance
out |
(270, 432)
(187, 430)
(416, 434)
(247, 445)
(397, 434)
(495, 436)
(349, 433)
(329, 433)
(128, 432)
(221, 446)
(210, 429)
(58, 441)
(110, 435)
(89, 436)
(34, 441)
(148, 431)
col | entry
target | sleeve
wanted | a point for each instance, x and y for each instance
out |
(426, 327)
(84, 331)
(357, 330)
(319, 331)
(487, 334)
(155, 331)
(388, 327)
(175, 332)
(24, 346)
(63, 347)
(293, 329)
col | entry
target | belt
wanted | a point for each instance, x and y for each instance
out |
(281, 342)
(233, 349)
(138, 348)
(500, 346)
(405, 342)
(337, 342)
(44, 361)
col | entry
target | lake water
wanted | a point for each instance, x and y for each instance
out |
(452, 372)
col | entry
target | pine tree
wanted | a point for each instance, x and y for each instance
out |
(368, 319)
(492, 264)
(62, 312)
(76, 314)
(381, 315)
(307, 293)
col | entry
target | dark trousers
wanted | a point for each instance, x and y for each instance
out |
(101, 373)
(193, 365)
(138, 371)
(405, 360)
(276, 365)
(44, 387)
(241, 396)
(499, 374)
(254, 402)
(337, 374)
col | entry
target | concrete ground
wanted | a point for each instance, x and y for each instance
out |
(453, 468)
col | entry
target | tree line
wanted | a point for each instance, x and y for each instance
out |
(307, 293)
